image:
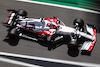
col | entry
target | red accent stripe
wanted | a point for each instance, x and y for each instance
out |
(25, 25)
(53, 20)
(92, 44)
(9, 17)
(54, 27)
(50, 34)
(44, 32)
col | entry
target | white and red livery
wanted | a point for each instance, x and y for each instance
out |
(50, 28)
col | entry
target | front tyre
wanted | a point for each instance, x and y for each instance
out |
(79, 24)
(86, 52)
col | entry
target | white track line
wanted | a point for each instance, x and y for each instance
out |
(51, 60)
(61, 6)
(17, 62)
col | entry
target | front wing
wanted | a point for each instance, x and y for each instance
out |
(88, 45)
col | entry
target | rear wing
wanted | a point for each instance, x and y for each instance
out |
(9, 20)
(88, 45)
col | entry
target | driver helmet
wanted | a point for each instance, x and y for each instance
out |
(49, 24)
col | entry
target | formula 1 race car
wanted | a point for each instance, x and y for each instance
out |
(50, 29)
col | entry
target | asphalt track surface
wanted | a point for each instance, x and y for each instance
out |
(40, 49)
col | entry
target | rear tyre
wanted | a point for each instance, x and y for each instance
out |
(22, 13)
(14, 33)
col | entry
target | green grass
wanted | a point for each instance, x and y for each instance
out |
(68, 3)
